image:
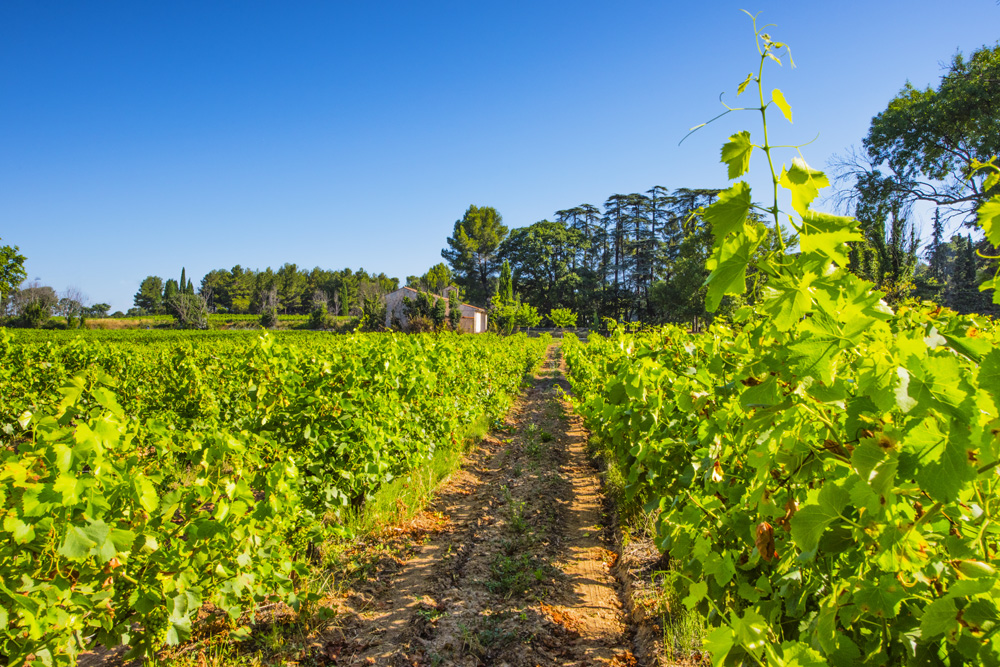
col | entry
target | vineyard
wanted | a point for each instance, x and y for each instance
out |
(819, 468)
(144, 479)
(823, 468)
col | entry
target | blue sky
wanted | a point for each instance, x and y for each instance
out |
(140, 137)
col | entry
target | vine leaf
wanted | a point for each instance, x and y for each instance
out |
(729, 212)
(803, 182)
(940, 617)
(779, 98)
(828, 235)
(696, 593)
(728, 266)
(743, 86)
(989, 219)
(882, 599)
(736, 154)
(810, 521)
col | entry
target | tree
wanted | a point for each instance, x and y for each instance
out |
(12, 272)
(190, 310)
(562, 317)
(34, 304)
(472, 250)
(888, 254)
(454, 309)
(505, 286)
(97, 310)
(267, 305)
(150, 295)
(963, 288)
(170, 290)
(541, 257)
(937, 251)
(927, 140)
(436, 280)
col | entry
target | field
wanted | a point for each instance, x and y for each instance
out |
(302, 498)
(147, 477)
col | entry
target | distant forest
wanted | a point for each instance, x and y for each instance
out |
(638, 258)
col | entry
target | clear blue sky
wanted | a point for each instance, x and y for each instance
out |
(139, 137)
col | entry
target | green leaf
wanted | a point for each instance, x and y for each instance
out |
(779, 98)
(814, 355)
(77, 544)
(736, 154)
(788, 301)
(729, 212)
(811, 520)
(719, 643)
(989, 375)
(945, 478)
(827, 236)
(744, 84)
(940, 617)
(148, 497)
(751, 631)
(796, 654)
(729, 267)
(696, 593)
(989, 220)
(179, 631)
(762, 395)
(19, 530)
(881, 599)
(804, 183)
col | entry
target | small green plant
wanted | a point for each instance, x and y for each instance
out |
(512, 575)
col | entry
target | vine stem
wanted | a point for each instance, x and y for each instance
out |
(767, 150)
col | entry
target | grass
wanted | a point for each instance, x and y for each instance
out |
(683, 629)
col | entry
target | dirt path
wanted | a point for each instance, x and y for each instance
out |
(521, 576)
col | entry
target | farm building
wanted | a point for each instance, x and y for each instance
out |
(473, 318)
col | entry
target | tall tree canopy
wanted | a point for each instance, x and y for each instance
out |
(542, 256)
(150, 295)
(472, 251)
(925, 142)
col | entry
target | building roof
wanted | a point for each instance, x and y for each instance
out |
(436, 297)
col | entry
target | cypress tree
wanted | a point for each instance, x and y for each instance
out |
(936, 253)
(505, 288)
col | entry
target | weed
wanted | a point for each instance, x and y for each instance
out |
(683, 629)
(514, 575)
(430, 613)
(533, 449)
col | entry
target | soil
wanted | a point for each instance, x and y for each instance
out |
(521, 574)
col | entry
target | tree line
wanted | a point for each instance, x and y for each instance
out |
(289, 290)
(641, 257)
(638, 258)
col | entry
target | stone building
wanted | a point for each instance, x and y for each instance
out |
(473, 317)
